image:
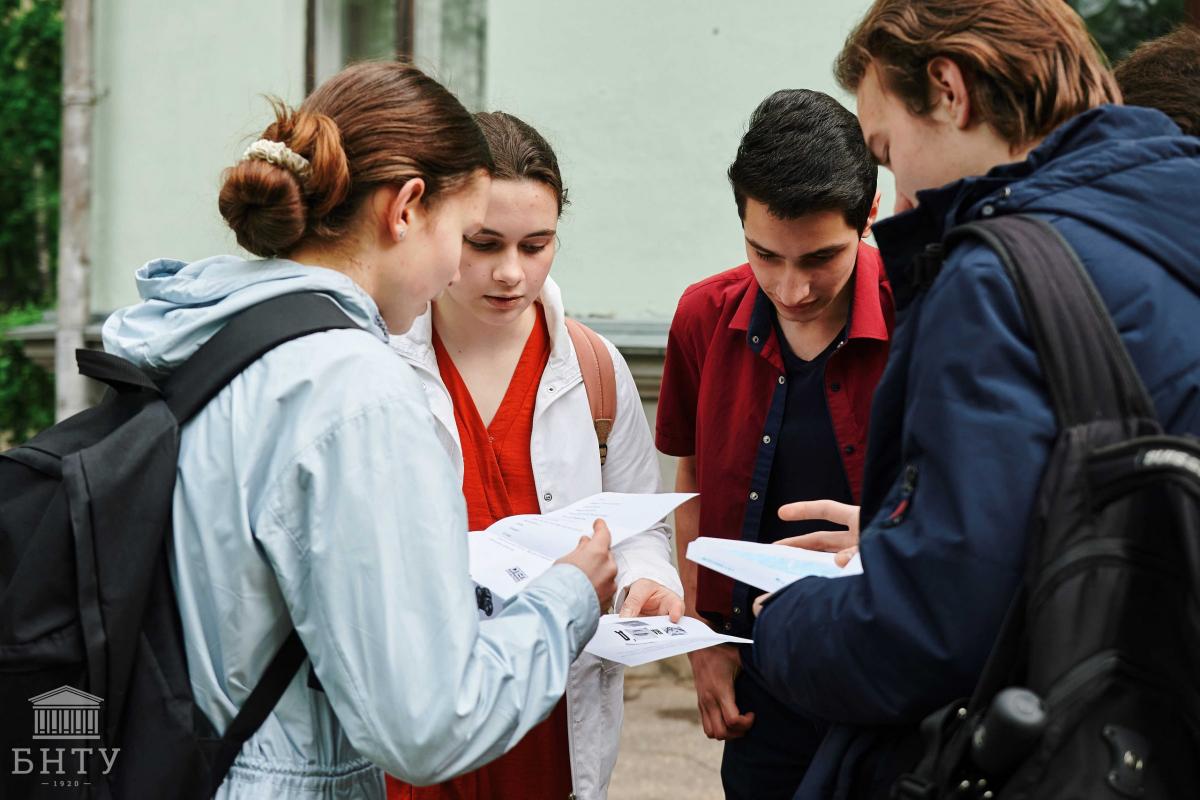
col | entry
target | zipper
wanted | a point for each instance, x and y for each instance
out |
(1066, 690)
(1076, 559)
(906, 492)
(1080, 675)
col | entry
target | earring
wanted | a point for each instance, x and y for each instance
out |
(400, 231)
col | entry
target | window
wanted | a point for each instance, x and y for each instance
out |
(341, 32)
(446, 38)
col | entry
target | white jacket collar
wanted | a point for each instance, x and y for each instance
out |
(416, 346)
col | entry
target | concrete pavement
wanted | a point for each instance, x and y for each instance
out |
(664, 752)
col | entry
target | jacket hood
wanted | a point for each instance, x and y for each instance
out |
(1120, 170)
(184, 304)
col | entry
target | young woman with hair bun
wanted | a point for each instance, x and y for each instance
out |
(505, 384)
(313, 491)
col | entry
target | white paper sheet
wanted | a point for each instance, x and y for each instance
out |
(634, 641)
(766, 566)
(515, 550)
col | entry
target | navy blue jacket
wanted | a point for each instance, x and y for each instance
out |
(961, 431)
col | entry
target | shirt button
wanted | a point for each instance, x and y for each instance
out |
(549, 388)
(728, 626)
(835, 387)
(737, 609)
(547, 497)
(782, 380)
(766, 440)
(849, 449)
(754, 495)
(988, 210)
(754, 339)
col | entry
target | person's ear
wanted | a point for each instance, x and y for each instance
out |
(871, 216)
(404, 208)
(948, 92)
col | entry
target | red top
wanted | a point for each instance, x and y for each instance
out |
(498, 482)
(722, 370)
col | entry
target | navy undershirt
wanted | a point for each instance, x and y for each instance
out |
(807, 463)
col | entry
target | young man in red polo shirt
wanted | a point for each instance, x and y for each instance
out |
(766, 395)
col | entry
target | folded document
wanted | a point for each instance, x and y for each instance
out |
(634, 641)
(515, 550)
(766, 566)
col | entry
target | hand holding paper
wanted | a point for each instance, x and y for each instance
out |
(843, 543)
(649, 598)
(515, 550)
(593, 557)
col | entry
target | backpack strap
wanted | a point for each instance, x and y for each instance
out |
(265, 696)
(1087, 368)
(120, 375)
(243, 340)
(599, 379)
(247, 337)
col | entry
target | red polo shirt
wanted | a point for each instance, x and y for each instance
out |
(720, 401)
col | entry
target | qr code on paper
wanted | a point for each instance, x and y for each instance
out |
(517, 574)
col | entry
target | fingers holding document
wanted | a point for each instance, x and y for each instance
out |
(843, 543)
(828, 510)
(649, 598)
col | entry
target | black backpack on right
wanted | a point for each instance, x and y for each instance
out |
(1092, 691)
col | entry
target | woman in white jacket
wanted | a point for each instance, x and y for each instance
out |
(505, 387)
(287, 512)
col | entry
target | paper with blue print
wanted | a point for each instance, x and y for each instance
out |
(767, 566)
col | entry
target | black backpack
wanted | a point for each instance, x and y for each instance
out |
(1092, 690)
(95, 700)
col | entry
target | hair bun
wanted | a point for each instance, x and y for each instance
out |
(264, 205)
(295, 174)
(374, 124)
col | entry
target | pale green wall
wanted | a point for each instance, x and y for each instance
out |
(645, 103)
(180, 88)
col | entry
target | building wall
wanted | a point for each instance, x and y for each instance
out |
(181, 97)
(645, 103)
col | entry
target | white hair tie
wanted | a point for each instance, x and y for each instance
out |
(279, 154)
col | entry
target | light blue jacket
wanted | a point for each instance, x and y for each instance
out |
(314, 492)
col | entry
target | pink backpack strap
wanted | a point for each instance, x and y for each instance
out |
(599, 379)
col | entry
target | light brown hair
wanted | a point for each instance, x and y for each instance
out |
(1030, 65)
(370, 125)
(520, 152)
(1165, 74)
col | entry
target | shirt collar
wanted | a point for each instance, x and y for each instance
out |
(865, 318)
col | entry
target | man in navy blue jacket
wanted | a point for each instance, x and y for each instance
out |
(979, 109)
